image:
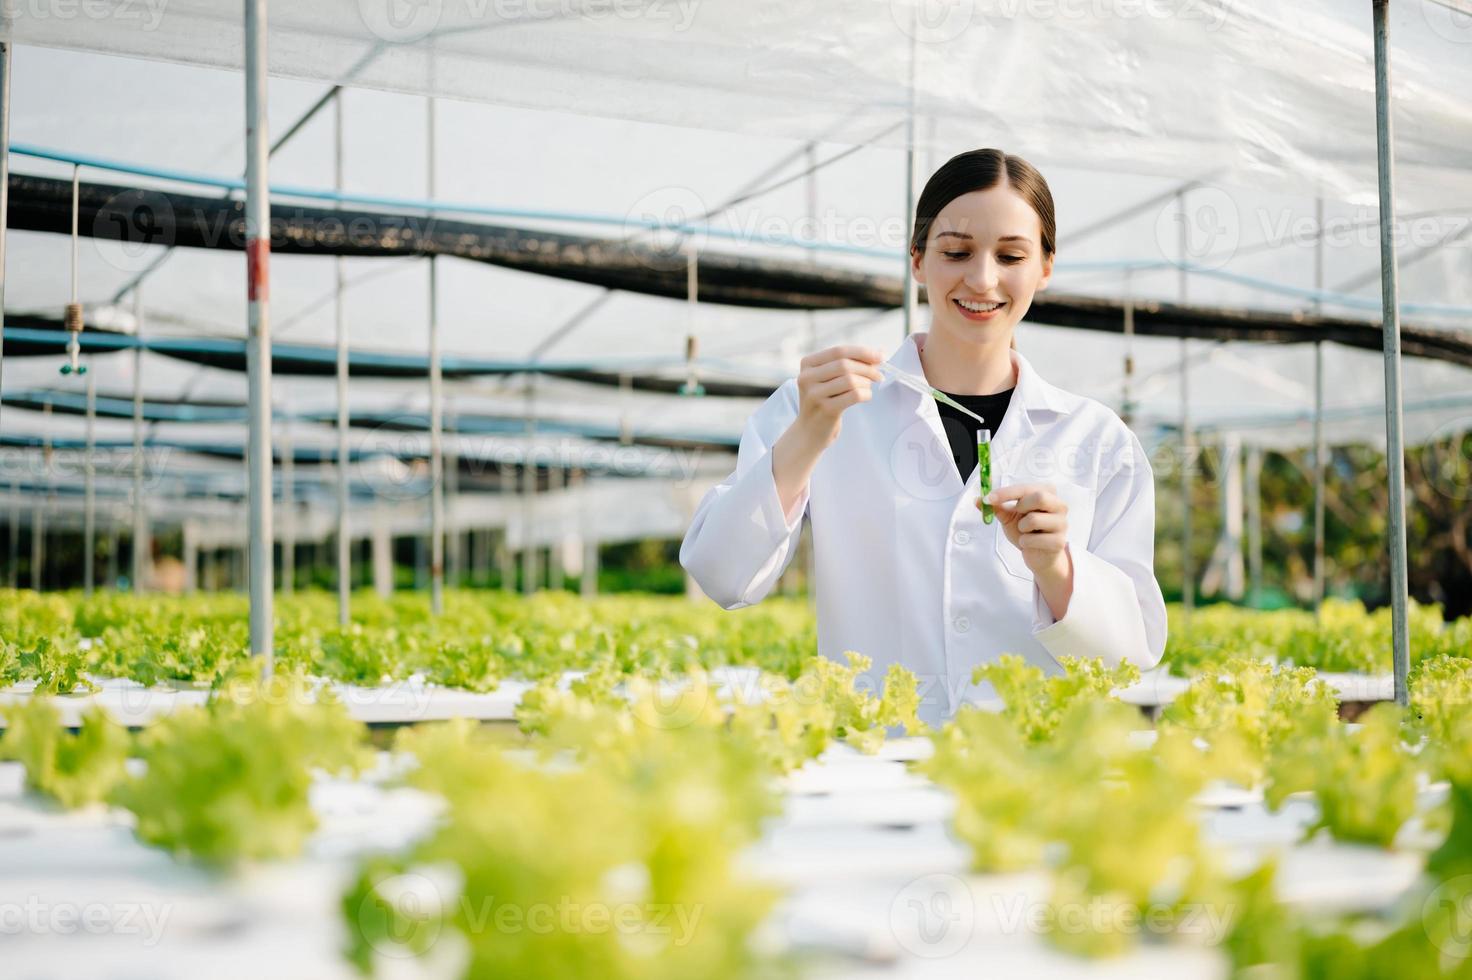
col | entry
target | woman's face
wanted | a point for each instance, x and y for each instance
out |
(984, 248)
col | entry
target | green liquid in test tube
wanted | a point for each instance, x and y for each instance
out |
(984, 474)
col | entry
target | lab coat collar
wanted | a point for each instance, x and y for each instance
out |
(1033, 393)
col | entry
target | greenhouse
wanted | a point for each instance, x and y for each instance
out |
(443, 536)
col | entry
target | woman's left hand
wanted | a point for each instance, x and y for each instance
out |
(1035, 519)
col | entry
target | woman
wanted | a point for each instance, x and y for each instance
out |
(909, 570)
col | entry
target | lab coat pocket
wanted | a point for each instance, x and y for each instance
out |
(1080, 501)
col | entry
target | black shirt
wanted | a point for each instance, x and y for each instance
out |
(960, 428)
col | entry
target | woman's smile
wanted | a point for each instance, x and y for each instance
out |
(978, 311)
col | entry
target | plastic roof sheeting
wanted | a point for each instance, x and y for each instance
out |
(1251, 91)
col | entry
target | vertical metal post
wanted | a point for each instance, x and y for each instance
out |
(1320, 454)
(382, 553)
(1188, 571)
(141, 546)
(421, 562)
(505, 560)
(190, 549)
(258, 255)
(1127, 408)
(38, 516)
(212, 554)
(89, 503)
(480, 557)
(344, 531)
(588, 582)
(1321, 463)
(13, 573)
(1394, 432)
(5, 53)
(114, 541)
(288, 505)
(806, 551)
(911, 287)
(529, 489)
(556, 577)
(38, 542)
(1254, 522)
(436, 394)
(454, 535)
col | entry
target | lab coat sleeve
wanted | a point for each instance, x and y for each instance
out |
(1116, 611)
(740, 540)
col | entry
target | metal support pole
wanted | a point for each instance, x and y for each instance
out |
(588, 573)
(436, 395)
(480, 557)
(114, 541)
(506, 560)
(344, 530)
(1394, 433)
(38, 542)
(258, 254)
(288, 507)
(89, 504)
(588, 585)
(529, 491)
(1188, 571)
(454, 534)
(381, 546)
(190, 550)
(1320, 455)
(1127, 408)
(141, 546)
(13, 567)
(1254, 522)
(1321, 463)
(556, 577)
(912, 288)
(5, 54)
(38, 516)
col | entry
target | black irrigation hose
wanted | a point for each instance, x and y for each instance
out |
(165, 218)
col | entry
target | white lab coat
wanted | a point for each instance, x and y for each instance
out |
(907, 572)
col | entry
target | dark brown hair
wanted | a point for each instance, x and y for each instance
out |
(981, 170)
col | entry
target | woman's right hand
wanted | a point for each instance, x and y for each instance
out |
(827, 383)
